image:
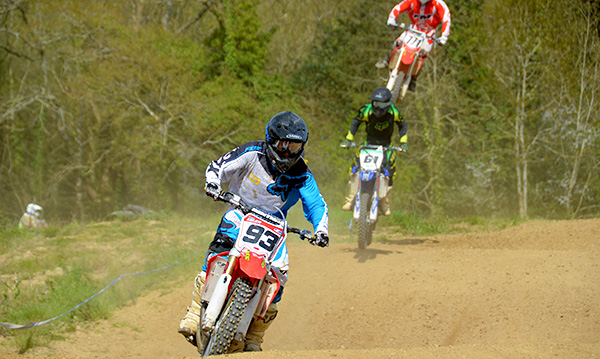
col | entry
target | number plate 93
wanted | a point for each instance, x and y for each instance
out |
(259, 236)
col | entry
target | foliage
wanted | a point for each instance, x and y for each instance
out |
(45, 274)
(245, 45)
(104, 105)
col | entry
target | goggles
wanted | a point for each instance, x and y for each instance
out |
(381, 105)
(287, 148)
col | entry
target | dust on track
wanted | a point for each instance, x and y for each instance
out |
(529, 291)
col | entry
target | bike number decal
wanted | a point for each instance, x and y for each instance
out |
(413, 40)
(264, 237)
(371, 159)
(255, 233)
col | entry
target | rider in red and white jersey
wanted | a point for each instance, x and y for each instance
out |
(426, 16)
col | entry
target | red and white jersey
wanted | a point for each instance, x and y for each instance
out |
(425, 18)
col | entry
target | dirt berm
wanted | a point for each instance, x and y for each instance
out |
(531, 291)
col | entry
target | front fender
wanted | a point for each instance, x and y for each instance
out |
(252, 265)
(409, 56)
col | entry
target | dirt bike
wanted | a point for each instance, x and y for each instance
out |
(241, 283)
(404, 61)
(372, 185)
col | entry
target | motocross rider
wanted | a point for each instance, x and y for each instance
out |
(379, 116)
(426, 16)
(272, 173)
(32, 218)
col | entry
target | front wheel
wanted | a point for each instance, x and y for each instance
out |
(365, 230)
(226, 326)
(397, 89)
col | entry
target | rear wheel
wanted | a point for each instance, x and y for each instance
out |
(226, 326)
(365, 230)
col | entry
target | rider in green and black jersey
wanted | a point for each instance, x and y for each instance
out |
(379, 117)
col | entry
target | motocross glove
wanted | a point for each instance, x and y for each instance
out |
(321, 239)
(347, 143)
(442, 40)
(404, 147)
(213, 190)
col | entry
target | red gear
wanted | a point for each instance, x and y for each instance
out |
(425, 17)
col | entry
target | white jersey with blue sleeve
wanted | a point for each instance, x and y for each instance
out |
(251, 177)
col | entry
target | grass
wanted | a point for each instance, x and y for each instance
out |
(413, 225)
(44, 274)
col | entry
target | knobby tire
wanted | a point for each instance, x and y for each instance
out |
(227, 324)
(364, 228)
(400, 78)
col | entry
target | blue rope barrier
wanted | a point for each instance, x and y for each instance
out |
(37, 324)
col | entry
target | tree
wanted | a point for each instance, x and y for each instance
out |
(245, 42)
(574, 113)
(516, 63)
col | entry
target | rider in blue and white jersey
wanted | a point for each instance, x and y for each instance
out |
(267, 174)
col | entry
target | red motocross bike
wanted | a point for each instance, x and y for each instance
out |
(241, 283)
(404, 61)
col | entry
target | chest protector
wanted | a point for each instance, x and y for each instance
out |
(380, 129)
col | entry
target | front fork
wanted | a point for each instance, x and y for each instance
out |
(217, 299)
(367, 186)
(395, 63)
(379, 189)
(219, 295)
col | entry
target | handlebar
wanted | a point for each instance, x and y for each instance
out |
(237, 202)
(402, 26)
(304, 234)
(360, 147)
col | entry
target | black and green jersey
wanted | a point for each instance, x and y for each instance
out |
(379, 129)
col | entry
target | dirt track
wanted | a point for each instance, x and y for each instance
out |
(526, 292)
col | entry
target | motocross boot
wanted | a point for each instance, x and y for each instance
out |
(236, 346)
(256, 332)
(384, 204)
(413, 84)
(188, 326)
(352, 189)
(349, 203)
(383, 63)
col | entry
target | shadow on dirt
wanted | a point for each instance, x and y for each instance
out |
(363, 255)
(407, 241)
(369, 253)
